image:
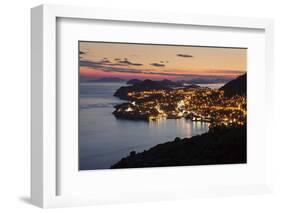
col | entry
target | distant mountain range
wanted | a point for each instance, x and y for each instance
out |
(166, 82)
(107, 80)
(237, 86)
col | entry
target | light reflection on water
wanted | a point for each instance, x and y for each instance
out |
(104, 140)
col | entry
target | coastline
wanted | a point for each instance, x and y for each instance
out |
(221, 145)
(104, 143)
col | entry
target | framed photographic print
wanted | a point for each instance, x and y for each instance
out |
(149, 106)
(146, 96)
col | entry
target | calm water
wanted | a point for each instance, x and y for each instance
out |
(104, 140)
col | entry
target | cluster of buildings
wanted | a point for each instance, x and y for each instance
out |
(194, 103)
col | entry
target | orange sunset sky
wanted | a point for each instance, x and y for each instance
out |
(146, 61)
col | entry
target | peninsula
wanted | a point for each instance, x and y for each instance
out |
(150, 100)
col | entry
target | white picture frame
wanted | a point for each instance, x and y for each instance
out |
(44, 155)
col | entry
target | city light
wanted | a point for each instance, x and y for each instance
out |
(197, 104)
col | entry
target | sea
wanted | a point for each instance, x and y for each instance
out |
(104, 139)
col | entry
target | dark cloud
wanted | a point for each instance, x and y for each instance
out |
(97, 64)
(157, 65)
(107, 67)
(116, 62)
(105, 60)
(93, 64)
(185, 55)
(127, 62)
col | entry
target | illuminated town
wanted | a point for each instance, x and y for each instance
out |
(194, 103)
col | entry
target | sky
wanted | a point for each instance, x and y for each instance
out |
(157, 62)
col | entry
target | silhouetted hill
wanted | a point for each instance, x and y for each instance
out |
(170, 83)
(180, 83)
(237, 86)
(218, 146)
(148, 85)
(133, 81)
(193, 86)
(122, 92)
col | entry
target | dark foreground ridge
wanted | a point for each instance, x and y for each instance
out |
(220, 145)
